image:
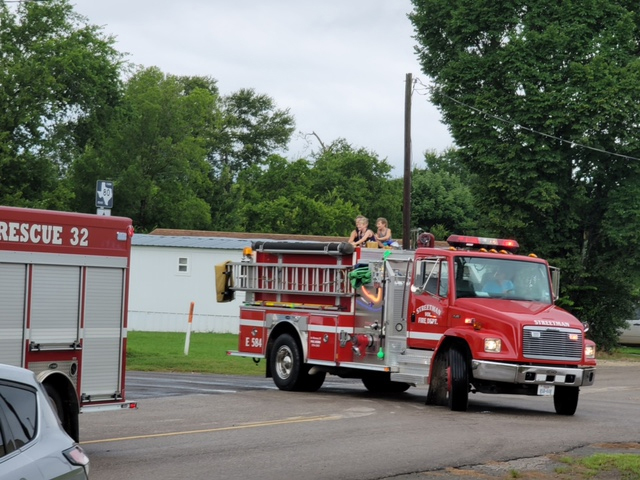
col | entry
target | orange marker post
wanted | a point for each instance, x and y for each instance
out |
(188, 339)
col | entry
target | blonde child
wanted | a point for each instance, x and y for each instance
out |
(383, 234)
(361, 234)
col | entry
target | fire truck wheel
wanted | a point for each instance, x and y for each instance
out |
(437, 394)
(458, 381)
(565, 399)
(312, 383)
(56, 401)
(383, 384)
(286, 364)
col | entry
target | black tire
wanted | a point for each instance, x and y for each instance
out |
(56, 401)
(312, 383)
(286, 364)
(437, 394)
(66, 411)
(565, 400)
(458, 381)
(383, 384)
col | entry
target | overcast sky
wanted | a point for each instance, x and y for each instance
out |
(339, 66)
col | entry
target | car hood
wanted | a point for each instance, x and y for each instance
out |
(524, 312)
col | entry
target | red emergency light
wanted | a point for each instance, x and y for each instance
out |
(464, 241)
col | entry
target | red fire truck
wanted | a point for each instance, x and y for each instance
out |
(471, 317)
(64, 280)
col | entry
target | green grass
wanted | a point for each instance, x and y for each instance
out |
(624, 466)
(629, 354)
(164, 352)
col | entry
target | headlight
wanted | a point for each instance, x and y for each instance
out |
(492, 345)
(590, 351)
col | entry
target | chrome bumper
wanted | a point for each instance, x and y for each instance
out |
(533, 374)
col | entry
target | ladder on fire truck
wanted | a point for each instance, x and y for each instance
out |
(304, 284)
(292, 278)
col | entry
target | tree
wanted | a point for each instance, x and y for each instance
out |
(279, 197)
(60, 82)
(358, 176)
(250, 129)
(540, 98)
(155, 152)
(441, 198)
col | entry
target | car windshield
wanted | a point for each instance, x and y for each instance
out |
(497, 278)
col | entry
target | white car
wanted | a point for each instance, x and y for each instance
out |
(631, 334)
(33, 444)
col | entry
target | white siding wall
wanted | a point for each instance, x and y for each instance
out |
(160, 296)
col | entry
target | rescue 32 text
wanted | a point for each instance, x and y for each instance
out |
(42, 234)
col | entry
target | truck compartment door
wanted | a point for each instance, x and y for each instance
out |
(12, 299)
(103, 331)
(55, 306)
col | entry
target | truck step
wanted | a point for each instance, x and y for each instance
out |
(414, 379)
(415, 357)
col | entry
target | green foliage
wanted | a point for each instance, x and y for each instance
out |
(250, 129)
(357, 177)
(535, 95)
(278, 199)
(441, 198)
(155, 153)
(439, 231)
(319, 198)
(60, 81)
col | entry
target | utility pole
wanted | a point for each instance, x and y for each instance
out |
(406, 203)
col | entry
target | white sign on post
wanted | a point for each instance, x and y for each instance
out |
(104, 197)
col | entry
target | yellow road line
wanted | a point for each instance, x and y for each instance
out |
(220, 429)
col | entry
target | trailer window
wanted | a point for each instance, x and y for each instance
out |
(183, 265)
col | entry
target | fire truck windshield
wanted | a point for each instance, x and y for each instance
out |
(502, 278)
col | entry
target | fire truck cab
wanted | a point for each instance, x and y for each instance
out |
(64, 280)
(471, 318)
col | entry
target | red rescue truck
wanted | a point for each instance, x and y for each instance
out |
(64, 281)
(471, 317)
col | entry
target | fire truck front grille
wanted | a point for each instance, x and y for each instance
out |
(552, 343)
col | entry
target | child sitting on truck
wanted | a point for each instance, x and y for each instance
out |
(383, 235)
(361, 234)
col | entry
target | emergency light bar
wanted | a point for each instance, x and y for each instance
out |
(463, 241)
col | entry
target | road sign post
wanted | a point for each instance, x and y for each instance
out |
(104, 197)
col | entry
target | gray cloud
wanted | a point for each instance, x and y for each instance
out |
(338, 65)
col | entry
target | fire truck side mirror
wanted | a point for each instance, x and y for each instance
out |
(555, 282)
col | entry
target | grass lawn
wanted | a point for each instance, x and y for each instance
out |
(164, 352)
(622, 353)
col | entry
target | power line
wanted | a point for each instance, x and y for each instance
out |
(429, 89)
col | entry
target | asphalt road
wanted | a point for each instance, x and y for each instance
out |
(224, 427)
